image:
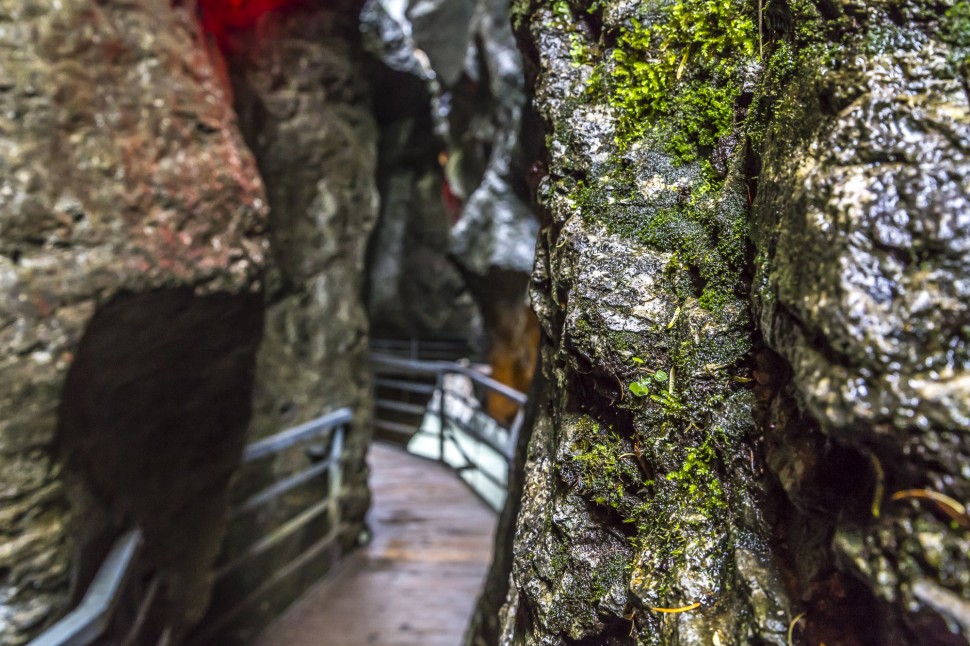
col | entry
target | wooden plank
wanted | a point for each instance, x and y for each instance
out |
(416, 583)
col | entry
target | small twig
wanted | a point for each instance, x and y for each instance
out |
(761, 31)
(670, 611)
(683, 64)
(674, 319)
(880, 486)
(946, 504)
(791, 627)
(636, 447)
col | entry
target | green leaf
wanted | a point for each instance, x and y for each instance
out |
(640, 388)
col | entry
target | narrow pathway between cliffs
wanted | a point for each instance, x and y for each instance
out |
(416, 583)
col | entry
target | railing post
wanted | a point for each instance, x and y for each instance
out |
(442, 417)
(336, 477)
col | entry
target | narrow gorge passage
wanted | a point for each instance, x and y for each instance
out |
(724, 245)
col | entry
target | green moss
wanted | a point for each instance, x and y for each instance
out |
(678, 74)
(519, 13)
(713, 299)
(604, 465)
(955, 25)
(698, 482)
(607, 576)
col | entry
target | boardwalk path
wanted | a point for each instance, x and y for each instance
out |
(417, 582)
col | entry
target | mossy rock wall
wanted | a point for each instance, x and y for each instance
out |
(751, 279)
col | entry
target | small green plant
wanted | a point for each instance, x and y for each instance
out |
(670, 402)
(643, 387)
(640, 388)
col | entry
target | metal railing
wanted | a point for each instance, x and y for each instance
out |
(423, 349)
(418, 401)
(309, 436)
(91, 618)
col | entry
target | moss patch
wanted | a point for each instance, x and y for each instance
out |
(676, 72)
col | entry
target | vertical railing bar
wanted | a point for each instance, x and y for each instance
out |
(514, 431)
(336, 477)
(135, 631)
(442, 417)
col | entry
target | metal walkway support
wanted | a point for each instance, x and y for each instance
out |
(322, 441)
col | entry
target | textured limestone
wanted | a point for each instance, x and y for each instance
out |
(122, 174)
(635, 499)
(766, 467)
(490, 143)
(455, 219)
(414, 287)
(862, 287)
(304, 108)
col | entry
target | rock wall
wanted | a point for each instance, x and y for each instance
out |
(862, 225)
(129, 305)
(455, 243)
(414, 288)
(491, 141)
(699, 474)
(305, 110)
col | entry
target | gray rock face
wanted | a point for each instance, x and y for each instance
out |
(110, 111)
(698, 475)
(414, 287)
(442, 31)
(862, 288)
(304, 108)
(496, 230)
(453, 217)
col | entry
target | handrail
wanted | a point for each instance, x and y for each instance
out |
(453, 427)
(91, 617)
(420, 367)
(337, 422)
(291, 436)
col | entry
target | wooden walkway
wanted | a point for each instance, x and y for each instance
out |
(417, 582)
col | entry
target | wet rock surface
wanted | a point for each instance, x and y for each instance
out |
(304, 108)
(641, 494)
(456, 237)
(862, 289)
(414, 289)
(109, 112)
(697, 474)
